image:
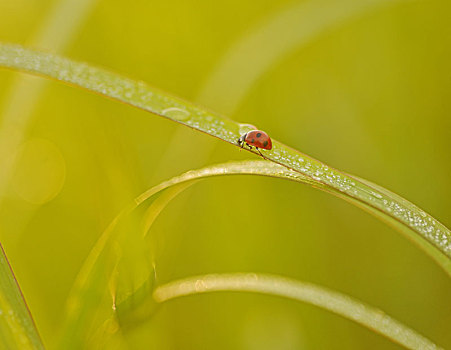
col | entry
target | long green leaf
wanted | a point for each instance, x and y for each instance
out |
(130, 296)
(160, 195)
(17, 329)
(327, 299)
(139, 94)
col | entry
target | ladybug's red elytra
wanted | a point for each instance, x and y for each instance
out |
(256, 138)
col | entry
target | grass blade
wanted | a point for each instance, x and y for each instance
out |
(130, 296)
(159, 196)
(138, 94)
(17, 329)
(338, 303)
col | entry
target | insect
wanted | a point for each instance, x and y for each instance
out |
(256, 138)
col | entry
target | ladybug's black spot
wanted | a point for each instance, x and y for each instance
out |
(252, 141)
(259, 134)
(265, 143)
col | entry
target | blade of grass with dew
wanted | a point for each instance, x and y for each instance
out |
(17, 329)
(253, 54)
(141, 95)
(131, 297)
(134, 306)
(338, 303)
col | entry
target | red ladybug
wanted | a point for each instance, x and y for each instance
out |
(256, 138)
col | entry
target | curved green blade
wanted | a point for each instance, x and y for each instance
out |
(17, 329)
(136, 93)
(139, 94)
(338, 303)
(130, 296)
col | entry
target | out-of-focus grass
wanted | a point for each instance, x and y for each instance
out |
(369, 96)
(17, 330)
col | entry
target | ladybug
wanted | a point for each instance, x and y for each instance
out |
(256, 138)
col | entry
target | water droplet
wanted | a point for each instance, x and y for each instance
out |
(377, 195)
(176, 113)
(244, 128)
(200, 285)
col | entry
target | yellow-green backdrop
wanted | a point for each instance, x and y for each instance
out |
(364, 86)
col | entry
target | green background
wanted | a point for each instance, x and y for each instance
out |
(369, 94)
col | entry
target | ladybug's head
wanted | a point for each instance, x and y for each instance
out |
(242, 139)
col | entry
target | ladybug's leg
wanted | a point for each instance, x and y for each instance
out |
(259, 152)
(248, 145)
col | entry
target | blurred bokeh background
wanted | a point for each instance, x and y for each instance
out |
(364, 86)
